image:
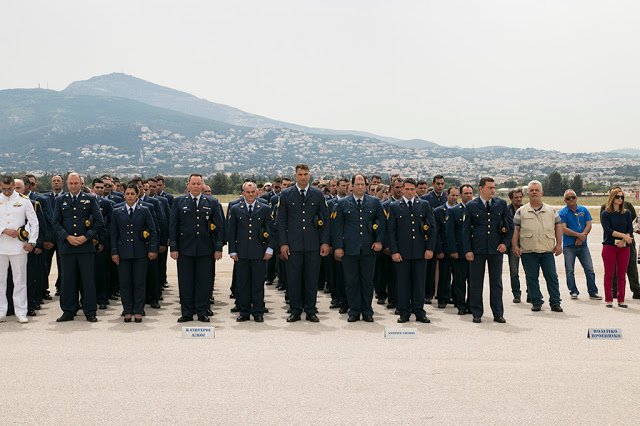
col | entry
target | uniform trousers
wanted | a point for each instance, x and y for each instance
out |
(35, 278)
(358, 280)
(18, 264)
(460, 283)
(49, 254)
(194, 284)
(411, 275)
(153, 283)
(103, 259)
(444, 280)
(250, 286)
(133, 276)
(387, 281)
(303, 268)
(476, 282)
(162, 267)
(271, 268)
(430, 281)
(78, 275)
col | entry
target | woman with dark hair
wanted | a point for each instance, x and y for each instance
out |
(617, 231)
(133, 244)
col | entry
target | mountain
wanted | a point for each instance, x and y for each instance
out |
(633, 152)
(126, 86)
(416, 144)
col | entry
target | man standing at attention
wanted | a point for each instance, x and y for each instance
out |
(538, 229)
(486, 233)
(302, 241)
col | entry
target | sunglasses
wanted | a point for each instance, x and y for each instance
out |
(619, 197)
(6, 189)
(570, 198)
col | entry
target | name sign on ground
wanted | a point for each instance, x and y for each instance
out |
(401, 333)
(605, 333)
(198, 332)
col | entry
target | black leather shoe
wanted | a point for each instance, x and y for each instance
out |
(209, 312)
(558, 308)
(268, 282)
(367, 318)
(258, 319)
(427, 301)
(122, 314)
(501, 320)
(102, 306)
(155, 305)
(112, 297)
(235, 309)
(265, 310)
(442, 305)
(48, 297)
(516, 299)
(232, 296)
(636, 295)
(477, 320)
(243, 318)
(528, 299)
(289, 310)
(144, 314)
(31, 313)
(293, 318)
(391, 305)
(344, 310)
(203, 318)
(396, 312)
(334, 304)
(138, 320)
(327, 290)
(423, 319)
(353, 318)
(536, 308)
(57, 293)
(620, 305)
(402, 320)
(381, 301)
(279, 287)
(92, 318)
(38, 307)
(212, 300)
(127, 319)
(185, 319)
(65, 318)
(462, 312)
(312, 318)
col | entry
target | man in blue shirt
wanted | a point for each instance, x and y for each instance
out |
(576, 225)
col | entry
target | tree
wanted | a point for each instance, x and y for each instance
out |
(221, 184)
(553, 185)
(577, 185)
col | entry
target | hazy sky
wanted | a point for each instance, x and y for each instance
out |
(549, 74)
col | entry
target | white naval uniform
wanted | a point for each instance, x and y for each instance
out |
(15, 212)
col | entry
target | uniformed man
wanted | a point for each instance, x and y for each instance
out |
(103, 245)
(411, 244)
(442, 252)
(387, 284)
(456, 249)
(303, 239)
(52, 247)
(436, 198)
(281, 271)
(161, 190)
(250, 245)
(272, 262)
(77, 220)
(335, 269)
(196, 234)
(487, 229)
(358, 228)
(16, 212)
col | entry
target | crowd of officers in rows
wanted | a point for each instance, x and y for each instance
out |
(353, 238)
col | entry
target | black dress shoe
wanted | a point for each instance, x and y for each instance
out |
(287, 301)
(112, 297)
(185, 319)
(57, 293)
(31, 313)
(289, 310)
(107, 302)
(92, 318)
(265, 310)
(279, 287)
(160, 298)
(477, 320)
(293, 318)
(462, 311)
(427, 301)
(122, 314)
(268, 282)
(65, 318)
(212, 300)
(402, 320)
(536, 308)
(558, 308)
(501, 320)
(155, 305)
(48, 297)
(209, 312)
(258, 319)
(203, 318)
(243, 318)
(423, 319)
(636, 295)
(327, 290)
(396, 312)
(620, 305)
(312, 317)
(391, 305)
(127, 319)
(138, 320)
(334, 304)
(367, 318)
(442, 305)
(344, 310)
(353, 318)
(381, 301)
(102, 306)
(235, 309)
(232, 296)
(38, 307)
(144, 314)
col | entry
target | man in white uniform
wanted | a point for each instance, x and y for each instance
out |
(16, 211)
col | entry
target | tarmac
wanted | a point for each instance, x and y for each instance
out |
(538, 368)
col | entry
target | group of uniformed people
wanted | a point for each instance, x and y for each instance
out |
(348, 243)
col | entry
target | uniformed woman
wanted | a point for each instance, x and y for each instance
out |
(133, 244)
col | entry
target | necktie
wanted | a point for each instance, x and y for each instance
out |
(359, 204)
(410, 205)
(250, 209)
(302, 193)
(74, 199)
(130, 211)
(488, 207)
(195, 202)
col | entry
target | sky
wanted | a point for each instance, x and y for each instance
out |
(550, 74)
